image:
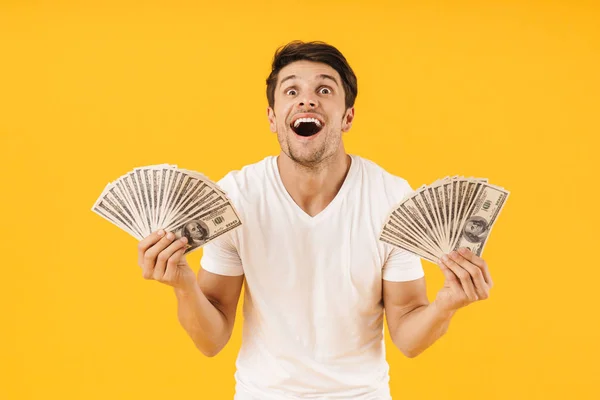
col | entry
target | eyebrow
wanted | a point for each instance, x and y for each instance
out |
(321, 76)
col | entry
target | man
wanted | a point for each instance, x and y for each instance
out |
(317, 278)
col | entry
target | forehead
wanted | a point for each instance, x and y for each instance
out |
(307, 71)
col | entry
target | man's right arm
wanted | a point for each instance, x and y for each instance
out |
(207, 309)
(206, 304)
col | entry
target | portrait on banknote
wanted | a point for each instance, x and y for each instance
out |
(196, 232)
(476, 229)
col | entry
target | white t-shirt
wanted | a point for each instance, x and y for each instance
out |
(313, 314)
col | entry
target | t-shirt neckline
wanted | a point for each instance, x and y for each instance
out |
(332, 204)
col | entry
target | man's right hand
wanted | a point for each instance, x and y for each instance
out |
(161, 258)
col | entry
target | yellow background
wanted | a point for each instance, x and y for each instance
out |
(503, 90)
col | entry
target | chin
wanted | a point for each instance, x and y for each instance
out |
(308, 158)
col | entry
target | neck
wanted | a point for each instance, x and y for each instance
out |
(314, 187)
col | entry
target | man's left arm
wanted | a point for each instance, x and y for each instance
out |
(415, 323)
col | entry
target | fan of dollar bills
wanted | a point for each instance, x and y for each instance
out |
(444, 216)
(166, 197)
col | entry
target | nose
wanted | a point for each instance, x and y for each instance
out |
(307, 102)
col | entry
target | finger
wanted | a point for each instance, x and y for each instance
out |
(479, 262)
(481, 287)
(146, 243)
(463, 276)
(452, 282)
(164, 256)
(172, 264)
(150, 256)
(448, 274)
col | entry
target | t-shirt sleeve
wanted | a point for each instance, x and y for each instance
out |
(221, 257)
(402, 266)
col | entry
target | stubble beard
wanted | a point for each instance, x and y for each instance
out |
(313, 158)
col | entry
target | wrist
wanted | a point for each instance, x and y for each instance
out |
(188, 288)
(440, 312)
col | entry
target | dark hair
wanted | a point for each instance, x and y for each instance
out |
(315, 51)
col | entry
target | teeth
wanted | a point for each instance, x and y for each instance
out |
(300, 120)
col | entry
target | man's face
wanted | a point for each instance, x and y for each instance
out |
(474, 227)
(194, 230)
(309, 90)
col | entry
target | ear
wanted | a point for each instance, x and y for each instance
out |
(348, 118)
(272, 119)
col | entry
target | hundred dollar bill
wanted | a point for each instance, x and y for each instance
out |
(415, 212)
(139, 184)
(427, 200)
(166, 189)
(103, 208)
(194, 194)
(176, 180)
(446, 193)
(400, 222)
(209, 201)
(130, 184)
(203, 177)
(207, 226)
(123, 191)
(113, 200)
(409, 246)
(164, 196)
(438, 218)
(483, 213)
(436, 194)
(465, 191)
(183, 189)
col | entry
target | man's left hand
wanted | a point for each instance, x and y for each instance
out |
(467, 280)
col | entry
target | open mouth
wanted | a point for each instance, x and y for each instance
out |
(306, 127)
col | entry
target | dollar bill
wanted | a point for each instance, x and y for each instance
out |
(409, 246)
(207, 226)
(164, 196)
(481, 217)
(452, 212)
(104, 207)
(401, 222)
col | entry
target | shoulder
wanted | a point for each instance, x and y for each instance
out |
(386, 186)
(243, 184)
(241, 187)
(385, 191)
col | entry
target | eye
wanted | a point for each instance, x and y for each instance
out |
(327, 89)
(291, 90)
